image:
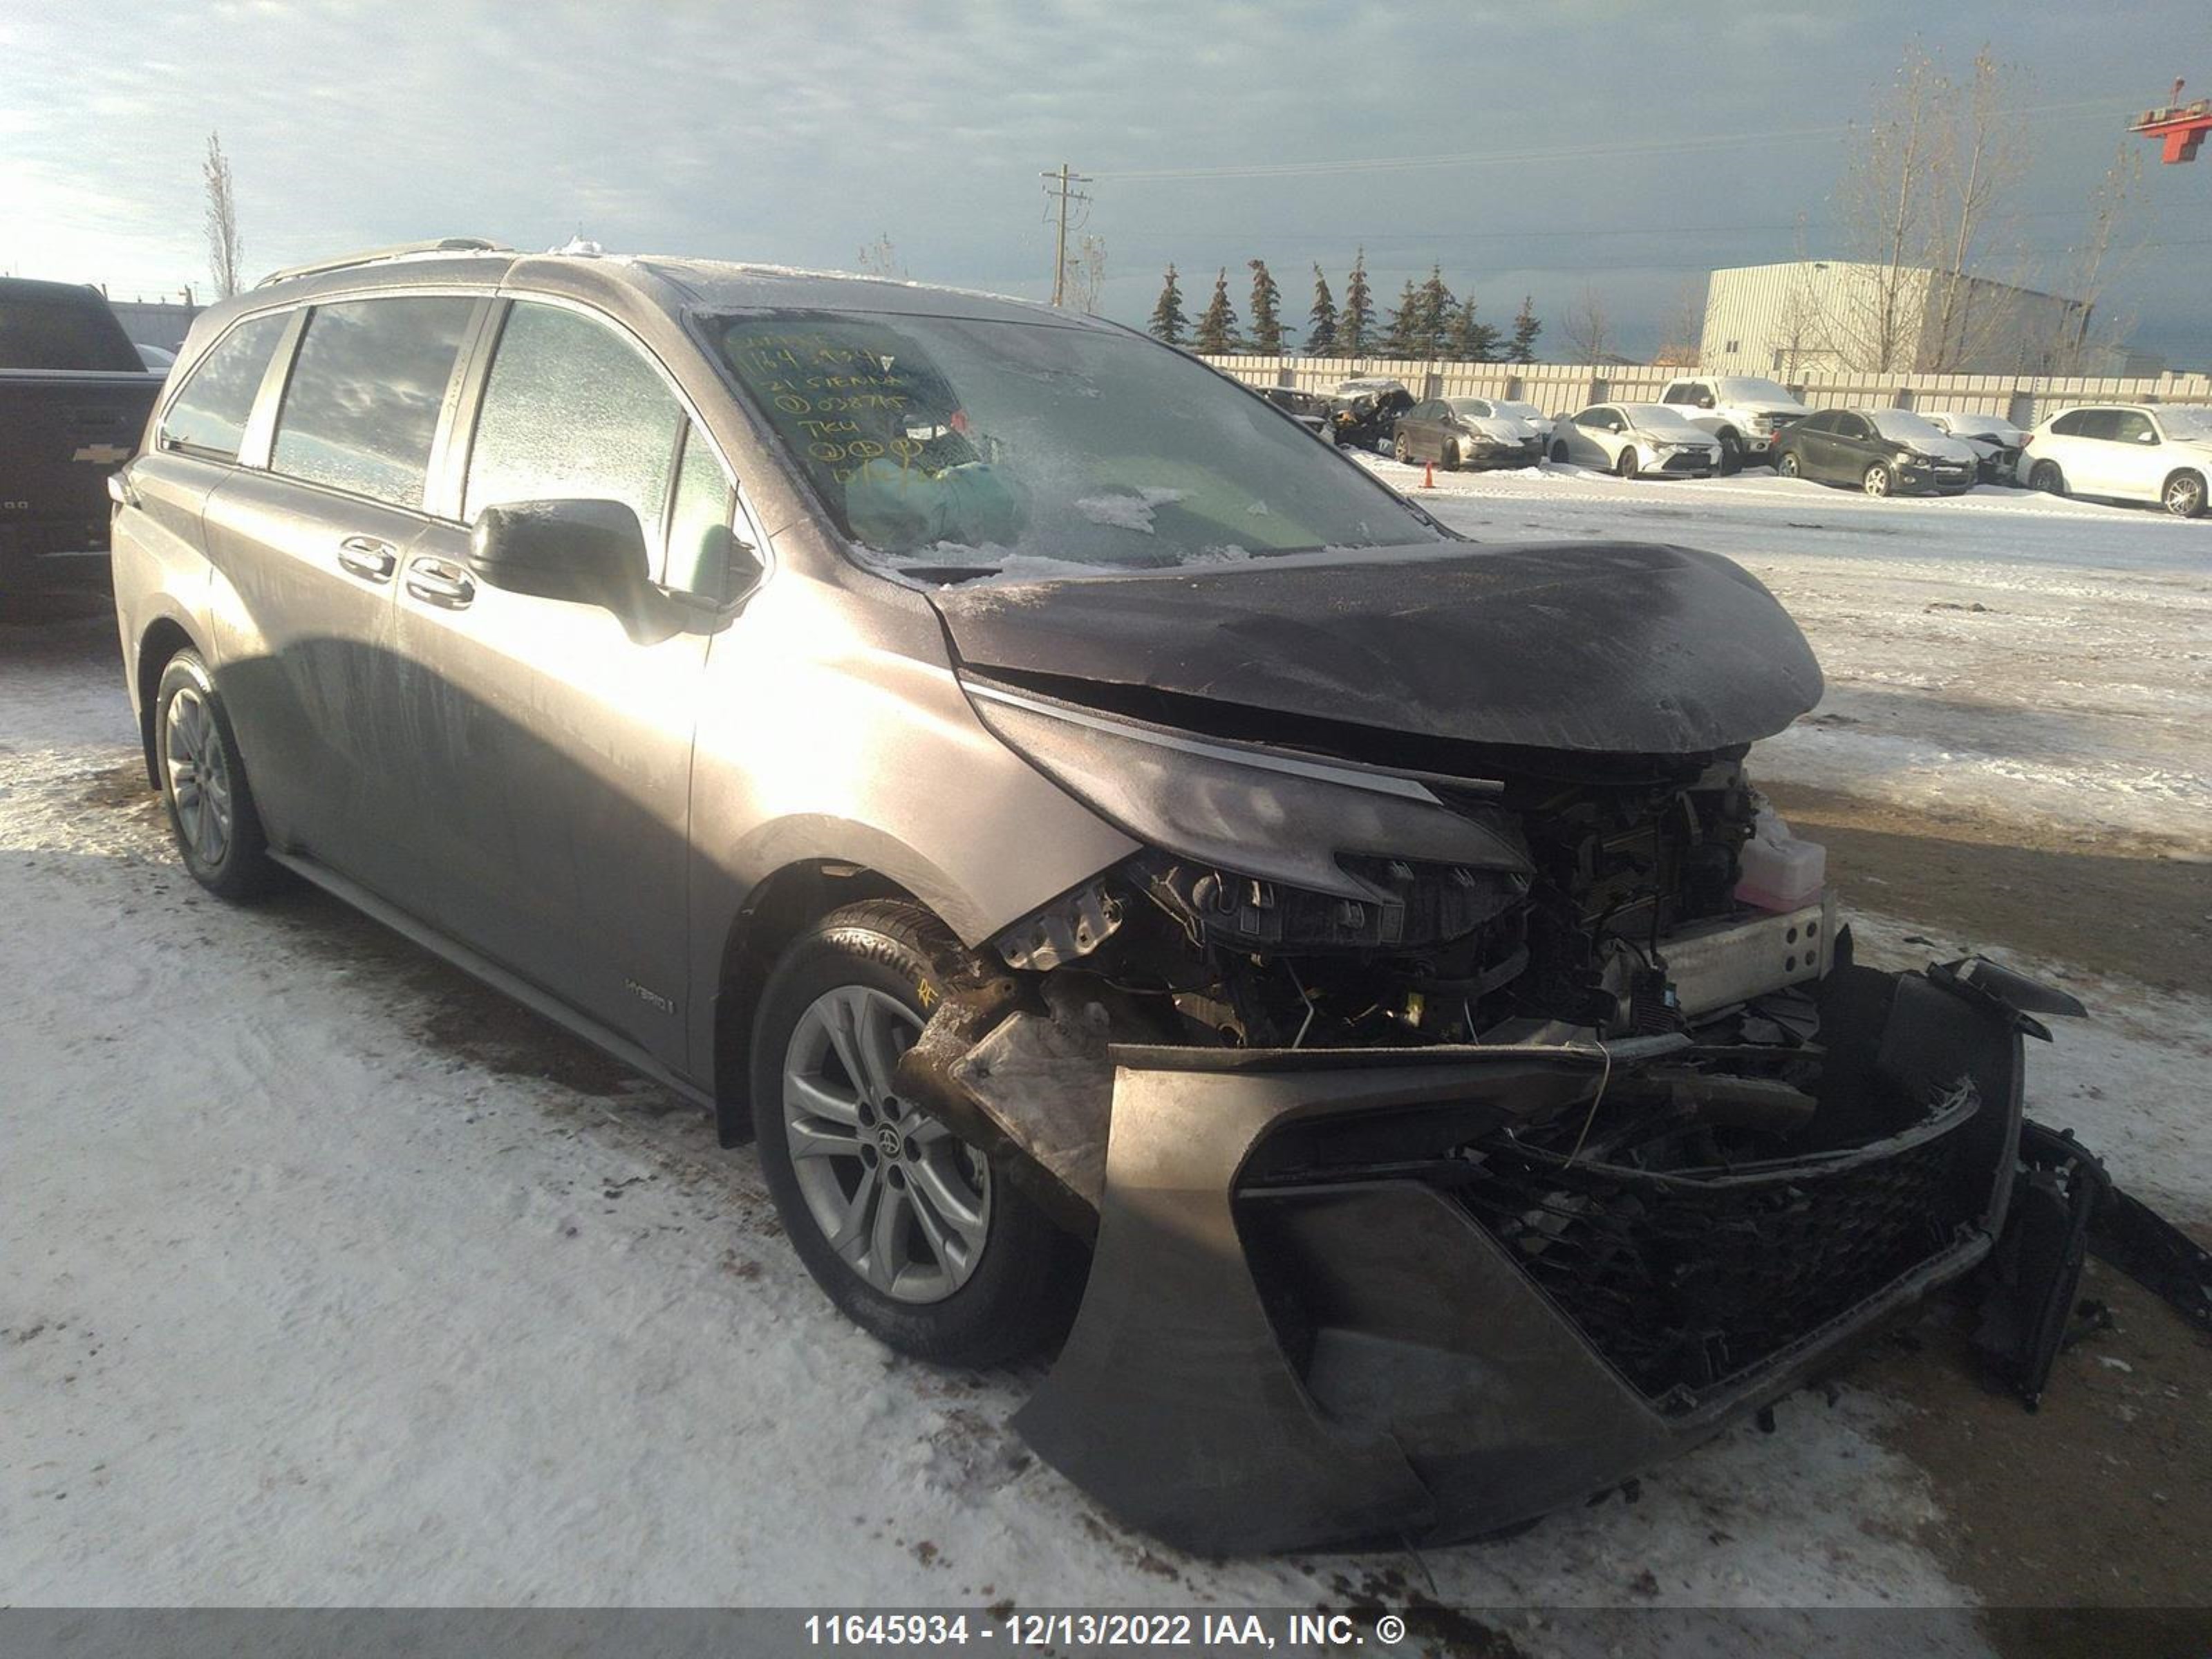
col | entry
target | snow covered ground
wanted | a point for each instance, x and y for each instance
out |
(332, 1279)
(2001, 652)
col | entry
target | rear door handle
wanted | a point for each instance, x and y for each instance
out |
(440, 582)
(364, 555)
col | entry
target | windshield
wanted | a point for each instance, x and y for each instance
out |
(1474, 408)
(1975, 425)
(1523, 412)
(1663, 421)
(1901, 426)
(1753, 389)
(2187, 425)
(948, 441)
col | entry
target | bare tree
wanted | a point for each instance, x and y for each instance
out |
(1887, 203)
(226, 250)
(1086, 273)
(1589, 327)
(1978, 162)
(2109, 247)
(880, 259)
(1683, 345)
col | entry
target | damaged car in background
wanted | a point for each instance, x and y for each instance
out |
(1144, 886)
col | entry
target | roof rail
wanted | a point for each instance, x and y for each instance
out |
(398, 251)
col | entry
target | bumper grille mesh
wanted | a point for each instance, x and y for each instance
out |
(1685, 1281)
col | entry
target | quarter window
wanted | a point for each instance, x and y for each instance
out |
(699, 521)
(209, 414)
(572, 412)
(361, 408)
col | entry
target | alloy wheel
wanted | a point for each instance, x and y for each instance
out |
(199, 776)
(2184, 496)
(1877, 481)
(1788, 465)
(903, 1203)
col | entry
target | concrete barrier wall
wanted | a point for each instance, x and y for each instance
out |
(1562, 388)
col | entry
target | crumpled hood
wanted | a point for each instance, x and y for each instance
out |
(1608, 647)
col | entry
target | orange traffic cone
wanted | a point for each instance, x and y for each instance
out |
(1428, 475)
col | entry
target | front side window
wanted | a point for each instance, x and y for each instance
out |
(208, 415)
(948, 440)
(360, 409)
(572, 412)
(1851, 426)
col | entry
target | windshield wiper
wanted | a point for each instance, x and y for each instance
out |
(947, 573)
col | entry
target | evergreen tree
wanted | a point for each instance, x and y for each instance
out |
(1168, 321)
(1216, 333)
(1430, 334)
(1526, 328)
(1401, 340)
(1471, 342)
(1358, 320)
(1267, 322)
(1320, 321)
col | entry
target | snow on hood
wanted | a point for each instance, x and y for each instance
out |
(1506, 429)
(1901, 426)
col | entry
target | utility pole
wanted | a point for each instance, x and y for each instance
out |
(1060, 186)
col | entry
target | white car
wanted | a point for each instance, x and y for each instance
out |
(2159, 453)
(1747, 412)
(1634, 438)
(1510, 408)
(1994, 441)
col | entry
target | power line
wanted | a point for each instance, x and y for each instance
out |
(1059, 188)
(1659, 145)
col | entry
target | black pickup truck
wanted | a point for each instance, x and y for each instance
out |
(74, 399)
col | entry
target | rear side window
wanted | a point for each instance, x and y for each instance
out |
(49, 325)
(208, 415)
(571, 411)
(361, 407)
(2081, 423)
(2132, 427)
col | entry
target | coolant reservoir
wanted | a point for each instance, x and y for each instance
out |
(1777, 871)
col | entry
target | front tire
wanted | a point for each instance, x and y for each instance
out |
(1452, 461)
(204, 785)
(919, 1239)
(1624, 464)
(2184, 495)
(1878, 480)
(1731, 455)
(1400, 451)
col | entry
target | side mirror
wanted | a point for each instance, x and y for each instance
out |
(588, 552)
(1705, 402)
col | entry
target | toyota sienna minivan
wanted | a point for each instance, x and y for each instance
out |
(1143, 886)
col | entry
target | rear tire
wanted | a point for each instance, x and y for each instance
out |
(1560, 455)
(945, 1259)
(204, 785)
(1789, 465)
(2046, 476)
(2184, 495)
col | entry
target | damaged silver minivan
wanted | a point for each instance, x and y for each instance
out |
(1143, 884)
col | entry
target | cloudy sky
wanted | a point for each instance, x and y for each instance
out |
(1540, 147)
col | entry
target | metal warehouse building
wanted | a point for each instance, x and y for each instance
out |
(1810, 316)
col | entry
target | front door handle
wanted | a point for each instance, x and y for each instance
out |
(440, 582)
(364, 555)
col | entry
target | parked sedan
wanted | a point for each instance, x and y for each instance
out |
(1633, 439)
(1461, 432)
(1996, 441)
(2140, 453)
(1308, 409)
(1883, 451)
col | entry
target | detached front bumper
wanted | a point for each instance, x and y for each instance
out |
(1309, 1323)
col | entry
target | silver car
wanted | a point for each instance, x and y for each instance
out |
(1140, 881)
